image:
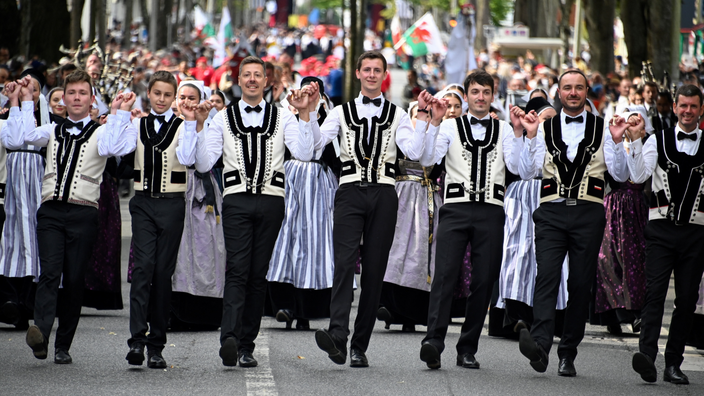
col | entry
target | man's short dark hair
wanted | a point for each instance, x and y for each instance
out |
(573, 71)
(371, 55)
(69, 67)
(269, 66)
(252, 59)
(162, 76)
(666, 95)
(479, 77)
(79, 76)
(652, 85)
(689, 91)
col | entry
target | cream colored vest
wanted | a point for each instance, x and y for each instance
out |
(156, 166)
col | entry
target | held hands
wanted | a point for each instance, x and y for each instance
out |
(618, 128)
(636, 127)
(128, 102)
(26, 89)
(137, 113)
(521, 120)
(12, 91)
(427, 101)
(117, 102)
(201, 114)
(305, 100)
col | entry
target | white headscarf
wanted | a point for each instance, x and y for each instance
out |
(197, 84)
(43, 110)
(639, 109)
(441, 94)
(526, 97)
(465, 106)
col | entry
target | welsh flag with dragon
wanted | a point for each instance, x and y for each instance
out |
(424, 37)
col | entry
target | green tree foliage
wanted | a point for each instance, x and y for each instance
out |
(498, 10)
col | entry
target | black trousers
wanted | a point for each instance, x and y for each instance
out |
(482, 226)
(251, 224)
(559, 230)
(671, 248)
(369, 211)
(65, 235)
(157, 228)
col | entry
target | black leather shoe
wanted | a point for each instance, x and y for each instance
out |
(228, 352)
(635, 326)
(615, 329)
(327, 343)
(302, 324)
(62, 357)
(643, 365)
(534, 352)
(675, 375)
(155, 360)
(430, 354)
(358, 358)
(35, 339)
(247, 360)
(566, 367)
(135, 356)
(385, 316)
(467, 361)
(285, 315)
(9, 313)
(408, 328)
(521, 324)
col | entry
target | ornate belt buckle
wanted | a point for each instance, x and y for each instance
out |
(571, 202)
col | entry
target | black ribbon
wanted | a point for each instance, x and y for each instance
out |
(250, 109)
(569, 120)
(70, 124)
(484, 123)
(376, 102)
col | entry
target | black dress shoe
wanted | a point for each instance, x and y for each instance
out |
(521, 324)
(358, 358)
(635, 326)
(62, 357)
(408, 328)
(35, 339)
(566, 367)
(643, 365)
(135, 356)
(327, 343)
(285, 315)
(385, 315)
(155, 360)
(614, 329)
(228, 352)
(534, 352)
(675, 375)
(9, 313)
(302, 324)
(247, 360)
(467, 361)
(430, 354)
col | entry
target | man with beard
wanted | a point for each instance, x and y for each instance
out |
(573, 150)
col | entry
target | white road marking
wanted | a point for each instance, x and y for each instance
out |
(260, 379)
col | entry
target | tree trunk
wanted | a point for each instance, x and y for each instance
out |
(547, 18)
(153, 26)
(565, 33)
(187, 27)
(127, 25)
(163, 19)
(27, 23)
(102, 24)
(48, 30)
(356, 32)
(521, 12)
(232, 7)
(660, 35)
(145, 14)
(599, 18)
(635, 28)
(11, 24)
(92, 21)
(482, 19)
(76, 14)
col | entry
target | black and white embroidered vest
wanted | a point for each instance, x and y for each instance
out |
(582, 178)
(156, 166)
(253, 156)
(475, 168)
(677, 182)
(74, 169)
(373, 161)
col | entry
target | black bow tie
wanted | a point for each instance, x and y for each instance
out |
(70, 124)
(160, 118)
(683, 136)
(250, 109)
(376, 102)
(569, 120)
(484, 123)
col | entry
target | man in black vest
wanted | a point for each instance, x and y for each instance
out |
(250, 135)
(371, 129)
(674, 234)
(477, 149)
(573, 150)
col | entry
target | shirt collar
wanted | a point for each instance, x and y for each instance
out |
(583, 114)
(242, 104)
(167, 114)
(486, 117)
(85, 120)
(696, 130)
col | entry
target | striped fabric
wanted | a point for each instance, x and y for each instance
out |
(519, 267)
(19, 253)
(303, 254)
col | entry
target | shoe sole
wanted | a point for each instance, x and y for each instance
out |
(430, 355)
(156, 366)
(135, 359)
(35, 340)
(678, 382)
(468, 366)
(359, 364)
(69, 361)
(327, 344)
(228, 353)
(529, 349)
(644, 366)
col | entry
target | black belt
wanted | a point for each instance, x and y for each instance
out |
(366, 184)
(160, 195)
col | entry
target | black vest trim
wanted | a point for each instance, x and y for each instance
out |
(67, 157)
(572, 172)
(684, 175)
(365, 151)
(485, 147)
(154, 143)
(254, 140)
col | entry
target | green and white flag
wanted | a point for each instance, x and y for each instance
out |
(423, 37)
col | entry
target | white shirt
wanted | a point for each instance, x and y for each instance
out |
(186, 148)
(298, 136)
(643, 158)
(116, 138)
(409, 140)
(439, 139)
(532, 154)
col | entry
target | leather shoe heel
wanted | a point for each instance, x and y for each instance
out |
(643, 365)
(228, 352)
(155, 360)
(285, 315)
(467, 361)
(62, 357)
(327, 343)
(534, 352)
(674, 375)
(385, 316)
(135, 356)
(247, 360)
(358, 358)
(430, 354)
(35, 339)
(566, 367)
